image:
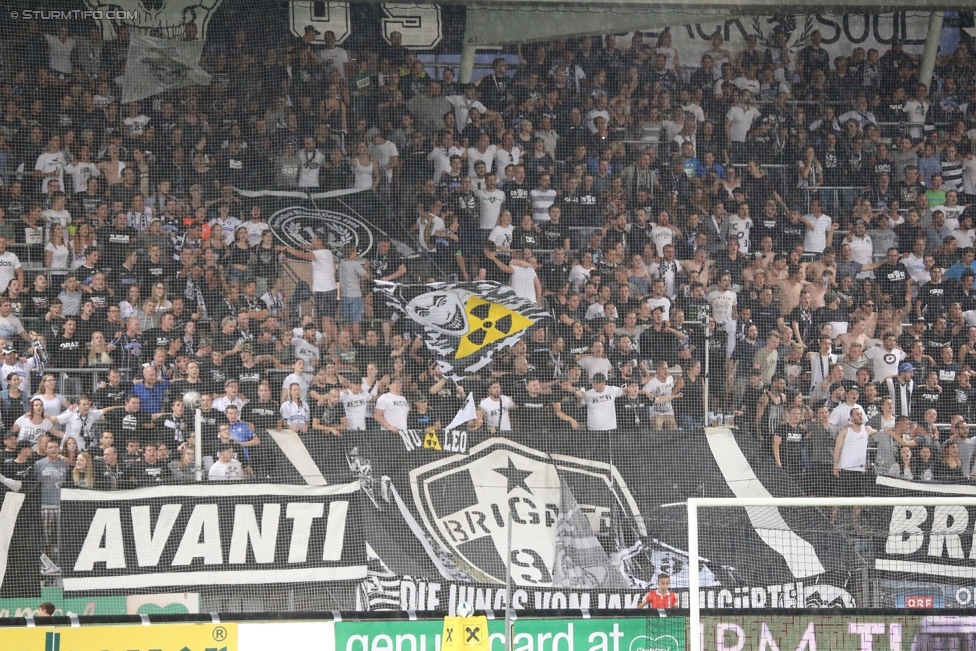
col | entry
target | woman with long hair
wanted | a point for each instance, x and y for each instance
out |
(183, 470)
(130, 305)
(238, 260)
(99, 351)
(83, 472)
(295, 414)
(56, 252)
(54, 403)
(731, 182)
(365, 170)
(265, 262)
(949, 468)
(34, 423)
(159, 295)
(84, 240)
(69, 450)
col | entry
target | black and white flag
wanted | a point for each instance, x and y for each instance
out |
(156, 65)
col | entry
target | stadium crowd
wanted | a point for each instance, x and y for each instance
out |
(801, 228)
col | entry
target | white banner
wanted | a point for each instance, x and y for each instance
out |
(841, 33)
(155, 65)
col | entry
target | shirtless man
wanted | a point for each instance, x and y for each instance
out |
(855, 334)
(699, 264)
(828, 261)
(789, 289)
(818, 290)
(766, 249)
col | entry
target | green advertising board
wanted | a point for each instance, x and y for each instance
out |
(638, 634)
(653, 633)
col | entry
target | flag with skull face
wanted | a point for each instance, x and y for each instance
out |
(464, 324)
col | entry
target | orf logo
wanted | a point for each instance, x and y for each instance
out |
(465, 502)
(296, 226)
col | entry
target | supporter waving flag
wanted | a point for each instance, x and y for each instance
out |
(464, 324)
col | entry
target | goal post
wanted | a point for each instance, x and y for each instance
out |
(694, 505)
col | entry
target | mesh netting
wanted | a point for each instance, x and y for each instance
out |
(422, 318)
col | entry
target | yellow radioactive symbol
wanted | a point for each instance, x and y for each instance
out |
(431, 442)
(487, 323)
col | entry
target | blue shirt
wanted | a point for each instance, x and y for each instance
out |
(955, 271)
(151, 400)
(241, 432)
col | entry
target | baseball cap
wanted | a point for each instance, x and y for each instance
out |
(11, 435)
(372, 133)
(920, 319)
(230, 382)
(905, 368)
(8, 350)
(599, 377)
(311, 28)
(837, 385)
(247, 348)
(204, 342)
(831, 297)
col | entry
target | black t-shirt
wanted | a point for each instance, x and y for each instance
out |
(141, 473)
(109, 396)
(248, 380)
(632, 413)
(523, 239)
(127, 425)
(150, 272)
(263, 415)
(66, 353)
(38, 302)
(791, 445)
(893, 279)
(159, 338)
(532, 414)
(211, 422)
(223, 342)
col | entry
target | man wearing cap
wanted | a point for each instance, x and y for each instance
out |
(22, 366)
(601, 411)
(9, 450)
(226, 467)
(323, 282)
(900, 389)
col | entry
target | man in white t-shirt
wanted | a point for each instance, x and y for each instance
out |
(497, 407)
(355, 401)
(50, 164)
(311, 160)
(82, 170)
(255, 226)
(885, 357)
(738, 121)
(9, 266)
(392, 408)
(815, 240)
(226, 467)
(323, 282)
(490, 201)
(60, 48)
(333, 56)
(384, 152)
(464, 103)
(600, 401)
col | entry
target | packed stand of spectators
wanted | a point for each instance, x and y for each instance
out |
(803, 228)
